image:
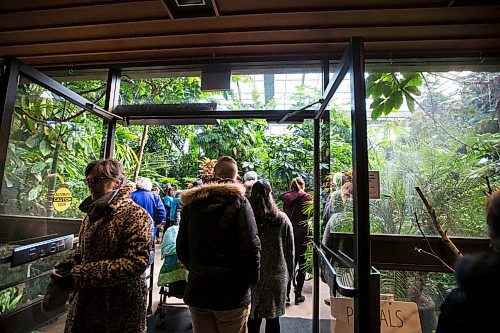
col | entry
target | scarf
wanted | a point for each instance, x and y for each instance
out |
(96, 209)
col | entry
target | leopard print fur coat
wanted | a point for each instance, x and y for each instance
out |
(108, 269)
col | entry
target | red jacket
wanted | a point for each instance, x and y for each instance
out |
(293, 205)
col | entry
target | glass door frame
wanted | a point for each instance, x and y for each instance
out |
(30, 316)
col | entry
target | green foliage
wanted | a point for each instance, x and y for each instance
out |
(242, 139)
(389, 90)
(395, 283)
(9, 299)
(340, 150)
(50, 139)
(161, 91)
(288, 156)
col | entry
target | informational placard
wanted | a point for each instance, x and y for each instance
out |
(62, 199)
(395, 317)
(374, 184)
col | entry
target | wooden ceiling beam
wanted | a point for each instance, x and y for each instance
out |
(231, 7)
(365, 18)
(408, 33)
(386, 48)
(55, 33)
(16, 6)
(149, 9)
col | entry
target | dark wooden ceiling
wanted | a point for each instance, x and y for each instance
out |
(66, 33)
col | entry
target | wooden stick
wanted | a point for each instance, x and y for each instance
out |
(431, 253)
(437, 225)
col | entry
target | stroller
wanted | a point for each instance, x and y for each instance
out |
(173, 276)
(174, 289)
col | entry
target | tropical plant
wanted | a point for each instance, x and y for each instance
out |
(9, 299)
(389, 90)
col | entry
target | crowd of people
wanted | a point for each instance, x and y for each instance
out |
(226, 239)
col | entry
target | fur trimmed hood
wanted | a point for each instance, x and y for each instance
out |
(212, 189)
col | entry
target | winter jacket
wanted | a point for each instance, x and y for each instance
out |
(471, 306)
(219, 245)
(293, 205)
(174, 208)
(108, 269)
(151, 202)
(170, 270)
(277, 264)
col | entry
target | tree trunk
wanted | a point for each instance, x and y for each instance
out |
(51, 188)
(141, 151)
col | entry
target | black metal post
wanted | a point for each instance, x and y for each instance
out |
(317, 202)
(325, 150)
(366, 319)
(338, 76)
(316, 229)
(112, 100)
(57, 88)
(8, 91)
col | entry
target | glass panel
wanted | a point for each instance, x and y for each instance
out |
(439, 133)
(337, 212)
(275, 89)
(24, 293)
(436, 131)
(336, 187)
(427, 289)
(50, 143)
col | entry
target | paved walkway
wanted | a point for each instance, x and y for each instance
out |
(303, 310)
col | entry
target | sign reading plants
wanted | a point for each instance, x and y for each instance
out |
(62, 199)
(395, 317)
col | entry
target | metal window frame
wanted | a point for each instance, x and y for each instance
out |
(12, 71)
(366, 279)
(30, 315)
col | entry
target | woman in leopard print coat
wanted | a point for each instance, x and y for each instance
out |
(107, 269)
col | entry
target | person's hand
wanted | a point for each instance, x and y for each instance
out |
(63, 265)
(66, 281)
(61, 275)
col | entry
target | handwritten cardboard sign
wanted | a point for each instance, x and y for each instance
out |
(395, 317)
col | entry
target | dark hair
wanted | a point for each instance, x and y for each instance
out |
(109, 168)
(263, 205)
(226, 167)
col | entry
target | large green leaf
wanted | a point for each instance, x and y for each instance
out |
(45, 147)
(34, 193)
(33, 141)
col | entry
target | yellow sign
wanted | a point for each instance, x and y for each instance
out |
(395, 317)
(62, 199)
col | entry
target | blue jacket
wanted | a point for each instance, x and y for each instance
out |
(173, 205)
(151, 203)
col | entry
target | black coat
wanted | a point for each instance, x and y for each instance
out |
(219, 245)
(472, 306)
